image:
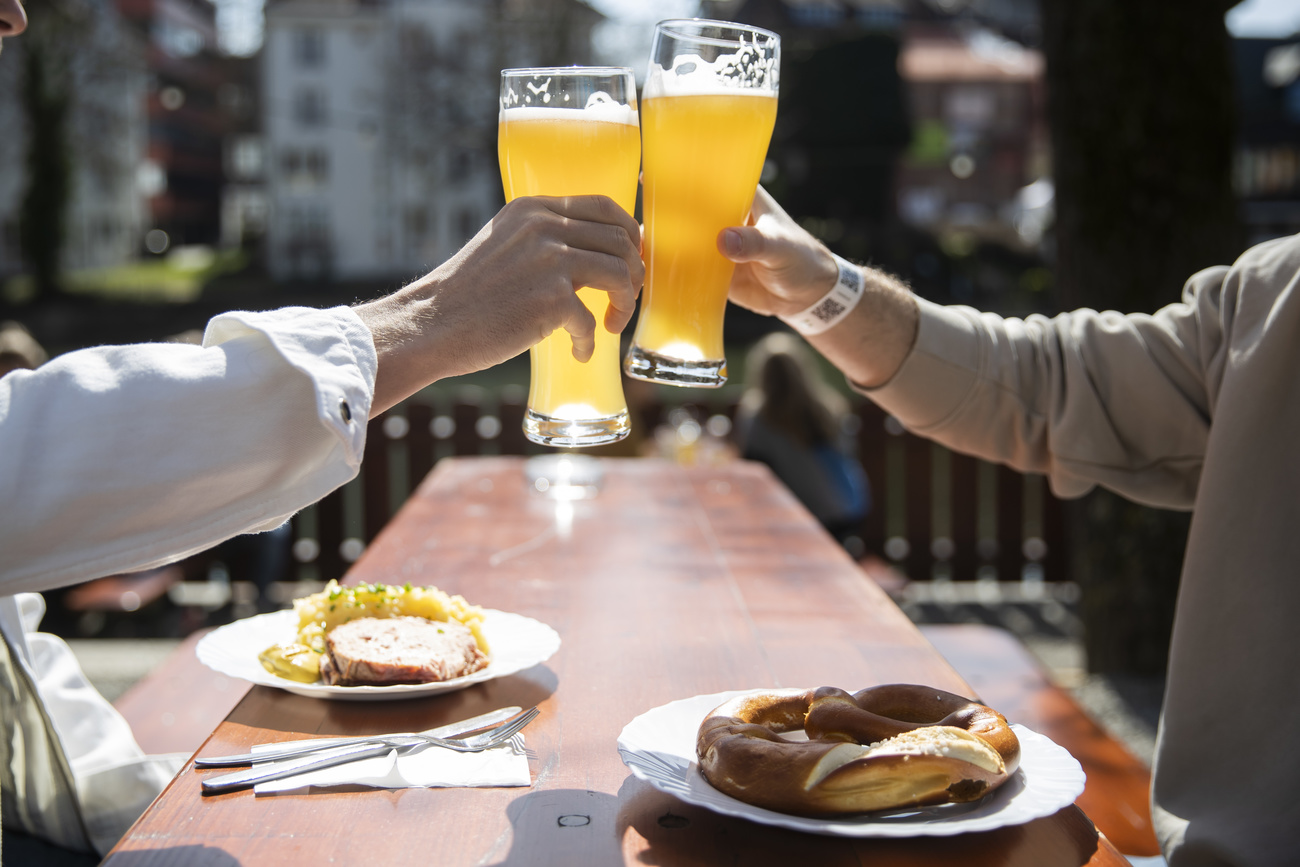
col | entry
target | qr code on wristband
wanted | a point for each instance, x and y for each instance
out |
(827, 310)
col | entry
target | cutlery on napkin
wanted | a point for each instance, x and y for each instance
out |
(293, 749)
(501, 766)
(387, 761)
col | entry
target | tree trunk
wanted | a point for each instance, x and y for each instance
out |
(46, 100)
(1142, 117)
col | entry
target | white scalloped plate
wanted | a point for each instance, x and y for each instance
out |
(659, 747)
(517, 643)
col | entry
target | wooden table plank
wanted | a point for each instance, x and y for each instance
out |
(671, 583)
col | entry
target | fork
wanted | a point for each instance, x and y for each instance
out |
(330, 758)
(455, 731)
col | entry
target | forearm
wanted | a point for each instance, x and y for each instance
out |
(513, 284)
(782, 270)
(872, 341)
(407, 335)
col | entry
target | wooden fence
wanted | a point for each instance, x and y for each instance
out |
(936, 514)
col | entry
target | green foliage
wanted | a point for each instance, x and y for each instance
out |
(929, 144)
(176, 279)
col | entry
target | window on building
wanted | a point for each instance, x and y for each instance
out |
(246, 157)
(9, 238)
(176, 39)
(309, 107)
(309, 223)
(316, 165)
(309, 47)
(417, 223)
(468, 224)
(305, 166)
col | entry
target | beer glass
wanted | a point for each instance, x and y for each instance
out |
(707, 111)
(571, 131)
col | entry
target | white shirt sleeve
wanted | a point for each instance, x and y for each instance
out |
(122, 458)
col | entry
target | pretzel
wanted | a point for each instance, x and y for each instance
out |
(883, 748)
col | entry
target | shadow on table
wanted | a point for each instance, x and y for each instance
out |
(592, 828)
(674, 832)
(295, 713)
(190, 856)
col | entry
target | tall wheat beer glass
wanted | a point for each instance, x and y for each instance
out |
(565, 132)
(707, 111)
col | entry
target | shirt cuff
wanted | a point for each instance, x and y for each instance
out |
(332, 347)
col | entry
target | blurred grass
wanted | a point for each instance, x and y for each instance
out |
(177, 278)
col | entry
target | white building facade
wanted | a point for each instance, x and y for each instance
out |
(380, 119)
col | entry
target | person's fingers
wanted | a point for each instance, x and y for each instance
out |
(605, 257)
(594, 209)
(744, 244)
(611, 275)
(581, 326)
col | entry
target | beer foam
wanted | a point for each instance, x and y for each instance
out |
(601, 112)
(747, 72)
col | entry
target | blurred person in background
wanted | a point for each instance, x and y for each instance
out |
(1195, 407)
(791, 420)
(130, 457)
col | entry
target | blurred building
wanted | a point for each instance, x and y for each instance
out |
(380, 118)
(183, 174)
(107, 81)
(905, 109)
(980, 138)
(244, 205)
(1268, 151)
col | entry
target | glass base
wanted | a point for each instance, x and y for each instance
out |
(575, 433)
(653, 367)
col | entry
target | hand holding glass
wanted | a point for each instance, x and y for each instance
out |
(572, 131)
(708, 109)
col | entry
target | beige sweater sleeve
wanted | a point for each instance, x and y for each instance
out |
(1085, 397)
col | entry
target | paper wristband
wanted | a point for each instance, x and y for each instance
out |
(833, 306)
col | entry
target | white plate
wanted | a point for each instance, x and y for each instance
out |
(517, 643)
(659, 747)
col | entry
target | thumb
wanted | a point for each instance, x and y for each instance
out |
(742, 244)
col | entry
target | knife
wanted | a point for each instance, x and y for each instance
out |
(319, 745)
(330, 757)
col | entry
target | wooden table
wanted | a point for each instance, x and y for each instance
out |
(671, 582)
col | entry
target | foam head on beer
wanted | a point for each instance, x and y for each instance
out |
(747, 70)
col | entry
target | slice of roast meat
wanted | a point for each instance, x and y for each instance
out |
(378, 651)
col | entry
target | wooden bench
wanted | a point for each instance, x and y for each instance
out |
(123, 593)
(1007, 677)
(176, 706)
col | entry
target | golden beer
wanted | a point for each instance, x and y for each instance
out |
(703, 157)
(591, 149)
(707, 115)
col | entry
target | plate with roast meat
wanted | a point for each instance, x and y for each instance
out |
(377, 641)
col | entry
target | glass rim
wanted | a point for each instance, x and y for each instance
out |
(568, 70)
(672, 25)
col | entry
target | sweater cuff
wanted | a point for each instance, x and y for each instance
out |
(937, 376)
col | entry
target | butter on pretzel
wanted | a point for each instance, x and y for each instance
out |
(885, 747)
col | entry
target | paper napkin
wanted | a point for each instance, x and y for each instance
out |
(430, 767)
